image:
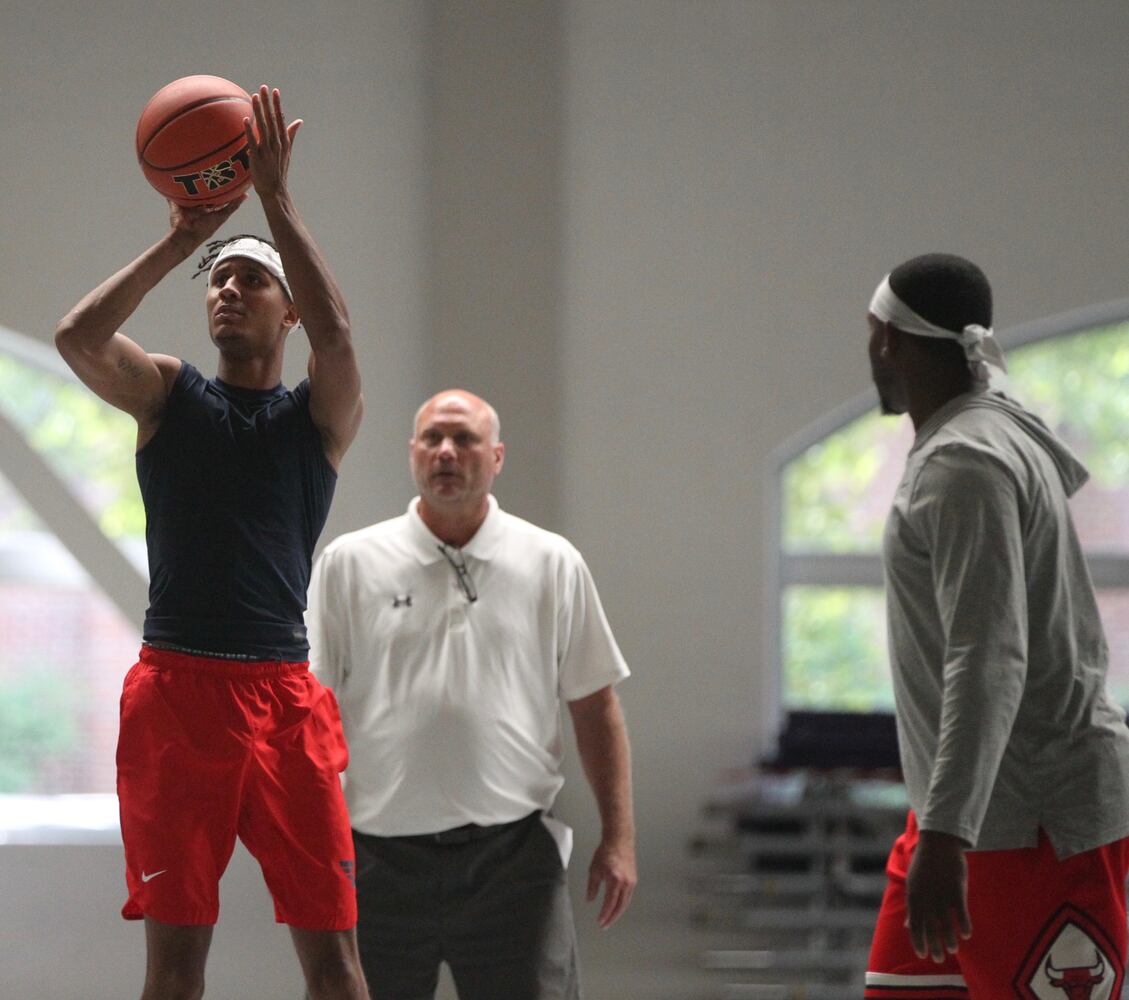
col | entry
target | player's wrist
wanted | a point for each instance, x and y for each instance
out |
(181, 243)
(619, 835)
(276, 198)
(938, 840)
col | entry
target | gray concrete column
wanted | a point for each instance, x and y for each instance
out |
(496, 230)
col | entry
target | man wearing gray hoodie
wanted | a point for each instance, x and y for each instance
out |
(1010, 876)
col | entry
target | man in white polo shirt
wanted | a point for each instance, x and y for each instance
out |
(451, 635)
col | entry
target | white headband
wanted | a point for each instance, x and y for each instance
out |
(980, 346)
(260, 252)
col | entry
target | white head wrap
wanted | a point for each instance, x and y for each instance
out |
(979, 343)
(260, 252)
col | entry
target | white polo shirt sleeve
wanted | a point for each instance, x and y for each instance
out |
(588, 657)
(325, 628)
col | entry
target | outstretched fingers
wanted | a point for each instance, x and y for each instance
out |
(285, 132)
(269, 139)
(266, 125)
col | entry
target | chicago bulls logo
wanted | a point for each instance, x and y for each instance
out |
(1078, 981)
(1071, 959)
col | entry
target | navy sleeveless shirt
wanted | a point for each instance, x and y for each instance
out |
(236, 488)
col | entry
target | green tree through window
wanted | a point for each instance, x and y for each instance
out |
(86, 441)
(65, 646)
(836, 493)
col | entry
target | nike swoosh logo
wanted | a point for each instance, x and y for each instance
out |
(147, 878)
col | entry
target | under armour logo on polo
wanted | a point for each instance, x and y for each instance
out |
(402, 600)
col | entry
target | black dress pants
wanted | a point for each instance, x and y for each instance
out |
(491, 902)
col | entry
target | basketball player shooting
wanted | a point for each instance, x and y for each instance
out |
(224, 733)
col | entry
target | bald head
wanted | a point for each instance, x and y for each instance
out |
(455, 455)
(462, 402)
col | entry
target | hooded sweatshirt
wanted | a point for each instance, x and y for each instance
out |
(996, 646)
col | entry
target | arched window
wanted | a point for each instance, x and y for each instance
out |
(836, 481)
(72, 592)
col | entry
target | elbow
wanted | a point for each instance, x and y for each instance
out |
(72, 341)
(66, 333)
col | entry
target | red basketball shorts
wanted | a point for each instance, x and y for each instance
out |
(213, 749)
(1042, 929)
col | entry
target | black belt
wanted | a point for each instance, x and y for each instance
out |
(463, 834)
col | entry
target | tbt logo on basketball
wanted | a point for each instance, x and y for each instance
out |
(190, 140)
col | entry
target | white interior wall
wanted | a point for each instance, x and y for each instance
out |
(734, 179)
(738, 178)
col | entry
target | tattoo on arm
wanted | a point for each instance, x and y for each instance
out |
(127, 367)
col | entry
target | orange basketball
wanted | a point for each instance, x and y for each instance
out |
(190, 140)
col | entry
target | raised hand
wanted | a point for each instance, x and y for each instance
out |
(269, 141)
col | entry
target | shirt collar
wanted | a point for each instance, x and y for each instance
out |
(483, 545)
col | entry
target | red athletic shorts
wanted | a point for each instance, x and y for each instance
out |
(1042, 929)
(212, 749)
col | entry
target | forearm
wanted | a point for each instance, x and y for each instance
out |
(100, 313)
(317, 295)
(335, 380)
(605, 754)
(981, 700)
(982, 684)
